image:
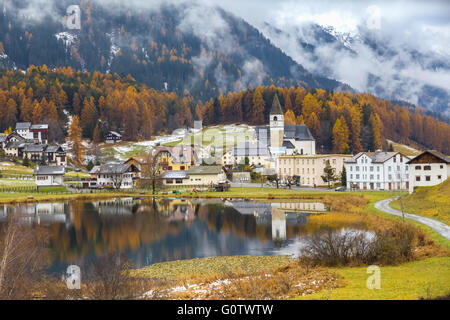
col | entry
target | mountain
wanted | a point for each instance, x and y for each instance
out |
(369, 61)
(183, 48)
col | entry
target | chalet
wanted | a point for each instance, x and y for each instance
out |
(118, 176)
(15, 137)
(428, 169)
(49, 176)
(139, 162)
(23, 129)
(113, 137)
(55, 155)
(177, 158)
(14, 149)
(34, 151)
(39, 132)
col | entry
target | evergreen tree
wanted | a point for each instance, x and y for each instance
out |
(329, 174)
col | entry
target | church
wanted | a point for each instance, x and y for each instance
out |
(283, 139)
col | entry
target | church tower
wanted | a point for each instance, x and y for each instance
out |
(276, 124)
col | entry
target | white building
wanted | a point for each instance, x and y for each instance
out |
(49, 176)
(428, 169)
(285, 139)
(257, 154)
(23, 129)
(117, 176)
(377, 171)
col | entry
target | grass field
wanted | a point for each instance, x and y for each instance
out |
(206, 267)
(432, 202)
(429, 278)
(404, 149)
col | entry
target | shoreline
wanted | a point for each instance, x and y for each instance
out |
(234, 193)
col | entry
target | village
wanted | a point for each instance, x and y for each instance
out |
(277, 155)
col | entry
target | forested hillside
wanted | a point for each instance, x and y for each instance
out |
(187, 47)
(340, 121)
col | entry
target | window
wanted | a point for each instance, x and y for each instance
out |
(371, 168)
(427, 168)
(357, 168)
(179, 181)
(417, 178)
(427, 178)
(357, 176)
(351, 168)
(418, 167)
(169, 181)
(182, 168)
(371, 177)
(351, 176)
(389, 168)
(439, 177)
(334, 161)
(390, 177)
(441, 166)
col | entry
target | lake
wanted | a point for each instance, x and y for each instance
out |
(158, 230)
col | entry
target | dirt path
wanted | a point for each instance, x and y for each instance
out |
(439, 227)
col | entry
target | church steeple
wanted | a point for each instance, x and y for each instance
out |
(276, 107)
(276, 124)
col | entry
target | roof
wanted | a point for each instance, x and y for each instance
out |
(140, 160)
(112, 168)
(175, 175)
(250, 149)
(14, 145)
(49, 170)
(54, 149)
(276, 107)
(39, 127)
(435, 153)
(34, 147)
(297, 132)
(115, 133)
(377, 157)
(180, 153)
(288, 145)
(23, 125)
(3, 138)
(204, 170)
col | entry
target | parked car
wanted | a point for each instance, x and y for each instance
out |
(341, 188)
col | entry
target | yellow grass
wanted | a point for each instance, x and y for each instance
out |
(428, 278)
(432, 202)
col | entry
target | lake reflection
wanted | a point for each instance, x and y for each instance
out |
(151, 231)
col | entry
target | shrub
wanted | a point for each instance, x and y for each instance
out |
(355, 247)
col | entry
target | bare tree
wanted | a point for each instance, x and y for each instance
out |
(152, 169)
(117, 179)
(23, 257)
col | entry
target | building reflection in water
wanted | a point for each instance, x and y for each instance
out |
(151, 230)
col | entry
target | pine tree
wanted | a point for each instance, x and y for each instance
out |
(329, 175)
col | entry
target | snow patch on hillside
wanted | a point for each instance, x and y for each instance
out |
(68, 38)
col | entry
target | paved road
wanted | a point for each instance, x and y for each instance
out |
(439, 227)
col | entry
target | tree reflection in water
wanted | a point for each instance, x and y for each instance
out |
(150, 230)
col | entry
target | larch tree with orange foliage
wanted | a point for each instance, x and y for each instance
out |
(340, 136)
(76, 141)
